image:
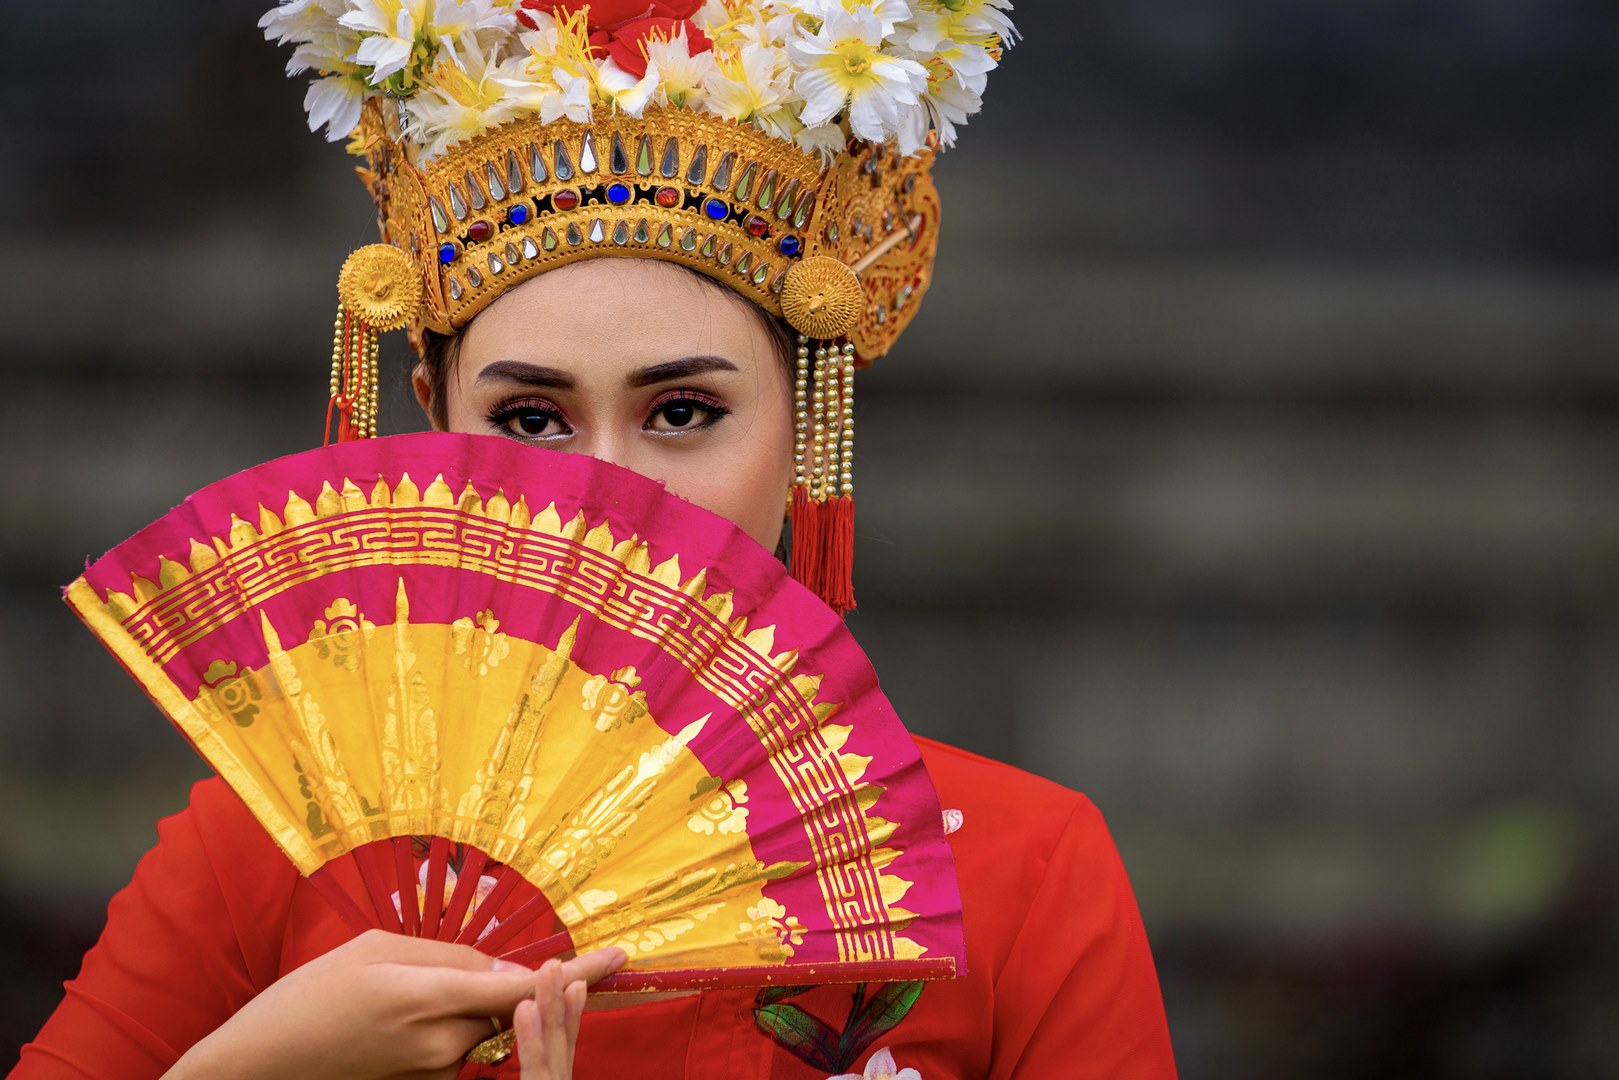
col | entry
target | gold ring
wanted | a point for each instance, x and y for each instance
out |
(495, 1049)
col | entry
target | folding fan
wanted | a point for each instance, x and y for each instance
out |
(530, 701)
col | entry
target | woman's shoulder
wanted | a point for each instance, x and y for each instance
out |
(219, 819)
(217, 840)
(1014, 833)
(968, 781)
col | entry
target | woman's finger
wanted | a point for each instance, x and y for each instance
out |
(453, 992)
(531, 1042)
(554, 1019)
(573, 1000)
(380, 946)
(593, 966)
(544, 1042)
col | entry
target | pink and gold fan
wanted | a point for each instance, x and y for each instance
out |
(529, 701)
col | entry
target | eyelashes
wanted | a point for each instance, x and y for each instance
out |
(528, 418)
(681, 411)
(677, 412)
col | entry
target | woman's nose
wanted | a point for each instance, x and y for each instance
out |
(607, 446)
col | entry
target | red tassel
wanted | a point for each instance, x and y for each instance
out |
(808, 533)
(837, 585)
(823, 548)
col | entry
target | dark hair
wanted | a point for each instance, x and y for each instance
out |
(438, 351)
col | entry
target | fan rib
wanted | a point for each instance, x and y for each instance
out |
(438, 857)
(466, 883)
(538, 952)
(526, 914)
(372, 871)
(405, 876)
(339, 900)
(507, 879)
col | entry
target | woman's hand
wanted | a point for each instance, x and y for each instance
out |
(381, 1007)
(548, 1026)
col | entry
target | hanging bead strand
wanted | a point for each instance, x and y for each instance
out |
(846, 425)
(801, 414)
(807, 564)
(837, 585)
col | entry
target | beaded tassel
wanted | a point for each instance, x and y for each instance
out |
(353, 400)
(823, 485)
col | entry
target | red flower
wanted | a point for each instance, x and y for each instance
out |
(626, 43)
(611, 14)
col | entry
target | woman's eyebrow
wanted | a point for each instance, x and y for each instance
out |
(533, 374)
(678, 369)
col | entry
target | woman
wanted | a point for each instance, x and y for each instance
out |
(219, 960)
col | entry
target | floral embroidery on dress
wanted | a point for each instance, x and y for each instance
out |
(881, 1067)
(821, 1046)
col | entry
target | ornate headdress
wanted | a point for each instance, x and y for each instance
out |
(782, 147)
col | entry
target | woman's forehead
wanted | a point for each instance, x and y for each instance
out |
(598, 317)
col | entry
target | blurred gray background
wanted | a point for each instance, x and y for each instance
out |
(1251, 468)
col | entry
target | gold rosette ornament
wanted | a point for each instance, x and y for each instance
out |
(380, 285)
(821, 298)
(378, 289)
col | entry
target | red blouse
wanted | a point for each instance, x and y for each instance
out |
(1060, 983)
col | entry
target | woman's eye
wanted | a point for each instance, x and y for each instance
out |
(530, 422)
(684, 414)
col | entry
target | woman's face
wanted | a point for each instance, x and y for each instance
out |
(639, 363)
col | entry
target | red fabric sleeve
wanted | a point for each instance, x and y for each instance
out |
(1060, 980)
(1078, 996)
(171, 965)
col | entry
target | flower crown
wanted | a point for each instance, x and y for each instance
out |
(814, 72)
(781, 147)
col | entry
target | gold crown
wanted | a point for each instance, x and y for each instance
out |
(840, 251)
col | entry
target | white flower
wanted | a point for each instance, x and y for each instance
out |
(301, 20)
(945, 104)
(573, 99)
(455, 103)
(334, 100)
(712, 16)
(389, 31)
(681, 74)
(398, 34)
(881, 1067)
(627, 94)
(335, 103)
(756, 81)
(889, 13)
(326, 52)
(843, 67)
(828, 140)
(542, 40)
(964, 20)
(560, 61)
(771, 24)
(968, 61)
